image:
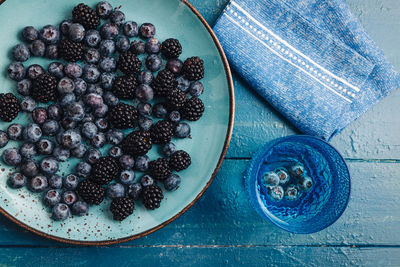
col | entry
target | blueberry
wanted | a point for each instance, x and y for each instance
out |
(115, 136)
(276, 193)
(183, 84)
(152, 46)
(127, 177)
(3, 139)
(66, 86)
(160, 110)
(153, 62)
(126, 162)
(135, 190)
(34, 71)
(99, 140)
(29, 168)
(145, 123)
(83, 169)
(92, 38)
(95, 89)
(71, 139)
(28, 150)
(174, 65)
(32, 133)
(73, 70)
(29, 34)
(297, 170)
(28, 104)
(107, 80)
(168, 149)
(145, 77)
(55, 112)
(56, 69)
(142, 163)
(50, 128)
(144, 93)
(80, 87)
(45, 147)
(174, 116)
(91, 56)
(122, 43)
(115, 152)
(79, 151)
(76, 32)
(38, 183)
(182, 130)
(146, 180)
(89, 130)
(291, 193)
(24, 87)
(103, 9)
(75, 112)
(101, 111)
(49, 34)
(20, 53)
(80, 208)
(270, 179)
(110, 99)
(14, 131)
(64, 27)
(107, 64)
(101, 124)
(16, 71)
(92, 155)
(115, 190)
(117, 17)
(283, 176)
(37, 48)
(16, 180)
(49, 165)
(51, 52)
(107, 48)
(131, 29)
(59, 136)
(55, 181)
(60, 212)
(172, 182)
(306, 183)
(109, 31)
(61, 154)
(144, 109)
(67, 100)
(137, 47)
(196, 89)
(91, 73)
(147, 30)
(70, 182)
(39, 115)
(52, 197)
(88, 118)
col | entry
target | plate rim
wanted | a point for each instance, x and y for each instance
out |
(228, 137)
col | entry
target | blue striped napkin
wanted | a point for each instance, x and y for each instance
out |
(310, 59)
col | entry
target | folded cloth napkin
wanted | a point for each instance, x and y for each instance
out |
(310, 59)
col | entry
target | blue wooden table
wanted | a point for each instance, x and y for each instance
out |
(222, 229)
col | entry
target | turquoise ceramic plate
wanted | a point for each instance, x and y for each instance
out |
(211, 135)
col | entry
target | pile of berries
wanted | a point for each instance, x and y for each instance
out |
(289, 185)
(76, 109)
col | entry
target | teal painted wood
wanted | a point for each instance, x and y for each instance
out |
(201, 256)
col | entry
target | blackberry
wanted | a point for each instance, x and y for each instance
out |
(152, 196)
(129, 63)
(9, 107)
(163, 82)
(180, 160)
(105, 170)
(193, 109)
(171, 48)
(159, 169)
(124, 87)
(193, 68)
(123, 116)
(70, 51)
(44, 88)
(137, 143)
(161, 132)
(86, 16)
(121, 208)
(90, 192)
(176, 99)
